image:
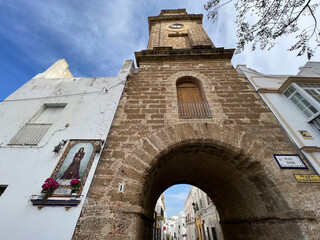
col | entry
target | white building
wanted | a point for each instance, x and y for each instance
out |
(176, 227)
(180, 227)
(159, 219)
(52, 107)
(190, 216)
(171, 226)
(295, 102)
(202, 219)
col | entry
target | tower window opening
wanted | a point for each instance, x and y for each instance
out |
(191, 100)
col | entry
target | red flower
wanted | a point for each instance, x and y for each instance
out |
(46, 186)
(55, 184)
(50, 184)
(50, 180)
(74, 182)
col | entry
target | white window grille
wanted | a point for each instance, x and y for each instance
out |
(313, 89)
(38, 125)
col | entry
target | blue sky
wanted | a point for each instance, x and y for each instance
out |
(175, 198)
(95, 37)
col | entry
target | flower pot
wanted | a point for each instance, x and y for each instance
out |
(42, 196)
(74, 196)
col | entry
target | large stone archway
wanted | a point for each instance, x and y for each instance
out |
(255, 199)
(246, 198)
(234, 169)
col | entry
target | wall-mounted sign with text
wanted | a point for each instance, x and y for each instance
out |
(307, 178)
(289, 161)
(305, 134)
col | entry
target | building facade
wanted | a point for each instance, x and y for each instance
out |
(295, 102)
(180, 228)
(187, 116)
(159, 219)
(52, 114)
(176, 227)
(171, 227)
(202, 218)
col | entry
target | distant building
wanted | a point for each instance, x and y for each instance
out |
(176, 226)
(159, 219)
(171, 226)
(295, 102)
(180, 228)
(202, 219)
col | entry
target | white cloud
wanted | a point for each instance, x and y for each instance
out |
(96, 37)
(179, 196)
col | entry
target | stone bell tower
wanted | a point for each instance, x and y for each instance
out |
(187, 116)
(177, 29)
(174, 32)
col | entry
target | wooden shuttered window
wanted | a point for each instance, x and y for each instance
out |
(191, 102)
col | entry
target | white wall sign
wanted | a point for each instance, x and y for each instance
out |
(286, 161)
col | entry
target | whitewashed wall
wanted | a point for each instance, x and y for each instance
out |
(181, 221)
(190, 216)
(89, 113)
(286, 113)
(208, 214)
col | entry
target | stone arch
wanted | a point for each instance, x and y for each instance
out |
(243, 189)
(189, 79)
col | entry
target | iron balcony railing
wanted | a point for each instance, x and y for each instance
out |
(194, 110)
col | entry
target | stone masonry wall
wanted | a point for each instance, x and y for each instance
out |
(195, 35)
(147, 124)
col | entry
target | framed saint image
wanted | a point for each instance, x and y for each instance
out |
(290, 161)
(75, 163)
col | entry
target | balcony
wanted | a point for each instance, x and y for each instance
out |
(160, 213)
(194, 110)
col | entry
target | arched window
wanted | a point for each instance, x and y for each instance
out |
(191, 99)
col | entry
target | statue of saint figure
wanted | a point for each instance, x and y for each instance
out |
(73, 169)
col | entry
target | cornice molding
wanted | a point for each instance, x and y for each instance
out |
(197, 52)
